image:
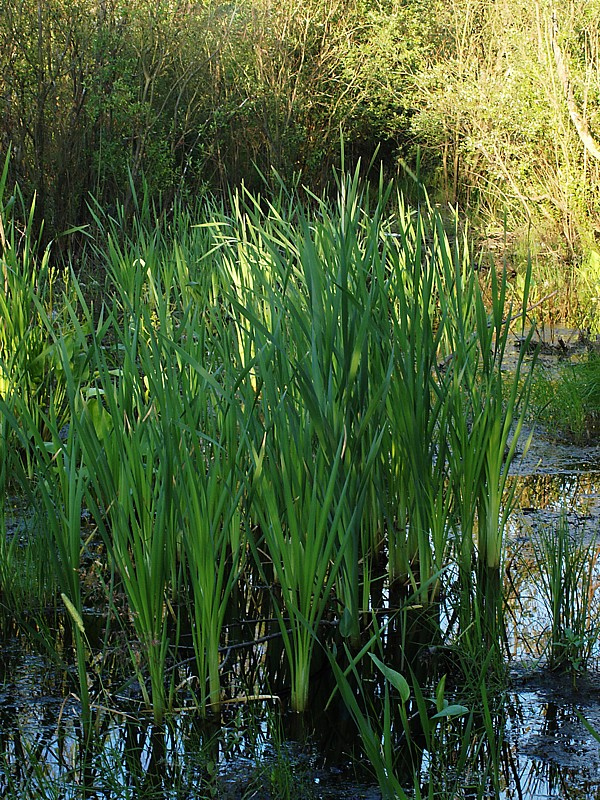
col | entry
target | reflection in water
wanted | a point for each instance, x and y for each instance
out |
(539, 780)
(243, 755)
(543, 495)
(545, 502)
(548, 752)
(185, 758)
(127, 759)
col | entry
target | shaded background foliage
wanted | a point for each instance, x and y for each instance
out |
(97, 96)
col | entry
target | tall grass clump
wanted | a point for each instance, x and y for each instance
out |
(58, 495)
(300, 517)
(150, 449)
(164, 468)
(213, 468)
(289, 409)
(308, 296)
(566, 558)
(343, 369)
(300, 346)
(31, 296)
(488, 409)
(454, 418)
(41, 357)
(377, 330)
(415, 453)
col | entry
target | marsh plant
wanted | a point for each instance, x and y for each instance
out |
(566, 556)
(32, 310)
(420, 744)
(289, 419)
(566, 397)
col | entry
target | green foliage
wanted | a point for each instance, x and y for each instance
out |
(273, 397)
(408, 735)
(566, 398)
(35, 306)
(30, 296)
(101, 97)
(566, 559)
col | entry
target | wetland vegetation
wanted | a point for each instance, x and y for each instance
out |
(269, 464)
(265, 404)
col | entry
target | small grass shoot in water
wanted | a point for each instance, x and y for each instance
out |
(566, 557)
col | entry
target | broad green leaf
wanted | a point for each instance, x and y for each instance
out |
(395, 678)
(451, 711)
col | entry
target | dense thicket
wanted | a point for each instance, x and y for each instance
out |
(198, 95)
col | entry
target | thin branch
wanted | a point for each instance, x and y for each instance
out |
(578, 121)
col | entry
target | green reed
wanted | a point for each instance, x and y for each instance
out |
(131, 477)
(168, 472)
(310, 290)
(32, 313)
(59, 492)
(377, 327)
(39, 366)
(130, 431)
(344, 365)
(300, 517)
(416, 408)
(566, 559)
(309, 386)
(499, 410)
(210, 484)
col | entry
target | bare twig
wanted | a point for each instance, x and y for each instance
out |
(578, 121)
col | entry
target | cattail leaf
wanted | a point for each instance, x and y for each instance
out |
(74, 613)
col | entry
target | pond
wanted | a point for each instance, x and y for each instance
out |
(549, 752)
(256, 752)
